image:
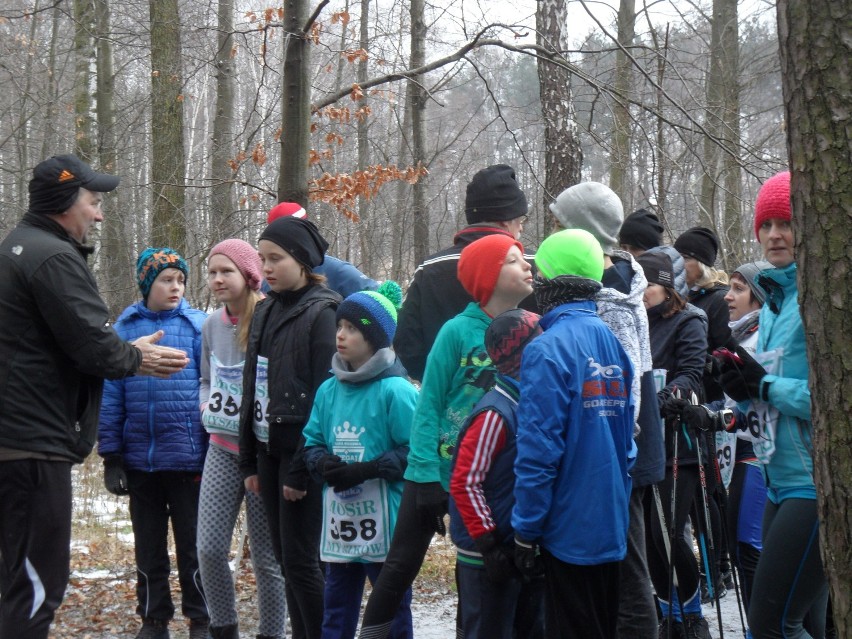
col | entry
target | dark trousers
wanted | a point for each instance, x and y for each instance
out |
(637, 612)
(498, 611)
(295, 527)
(344, 587)
(582, 601)
(154, 499)
(789, 584)
(35, 538)
(684, 560)
(408, 548)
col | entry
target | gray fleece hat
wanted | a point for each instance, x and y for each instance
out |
(749, 272)
(592, 207)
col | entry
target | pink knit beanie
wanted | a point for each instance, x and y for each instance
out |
(773, 201)
(245, 258)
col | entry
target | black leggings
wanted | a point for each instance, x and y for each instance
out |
(789, 583)
(686, 568)
(408, 548)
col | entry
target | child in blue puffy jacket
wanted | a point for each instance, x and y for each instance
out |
(153, 444)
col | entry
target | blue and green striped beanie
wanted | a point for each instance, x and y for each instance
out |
(373, 313)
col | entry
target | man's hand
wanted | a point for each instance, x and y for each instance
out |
(159, 361)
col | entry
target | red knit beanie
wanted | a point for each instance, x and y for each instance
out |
(245, 258)
(773, 201)
(285, 209)
(480, 263)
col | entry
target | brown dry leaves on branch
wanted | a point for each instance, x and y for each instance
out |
(341, 190)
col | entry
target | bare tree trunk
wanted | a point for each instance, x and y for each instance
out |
(733, 238)
(84, 54)
(619, 176)
(115, 258)
(167, 162)
(661, 164)
(416, 97)
(711, 191)
(364, 230)
(295, 107)
(52, 102)
(224, 222)
(815, 50)
(563, 156)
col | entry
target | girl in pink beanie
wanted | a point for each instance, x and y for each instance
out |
(234, 276)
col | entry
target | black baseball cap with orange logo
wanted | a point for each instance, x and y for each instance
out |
(57, 180)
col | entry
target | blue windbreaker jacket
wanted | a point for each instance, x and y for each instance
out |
(575, 439)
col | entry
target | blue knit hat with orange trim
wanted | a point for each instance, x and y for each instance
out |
(152, 261)
(373, 313)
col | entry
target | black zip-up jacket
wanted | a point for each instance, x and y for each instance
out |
(712, 302)
(434, 296)
(55, 346)
(679, 345)
(295, 331)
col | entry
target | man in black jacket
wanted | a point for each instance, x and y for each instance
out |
(55, 351)
(494, 203)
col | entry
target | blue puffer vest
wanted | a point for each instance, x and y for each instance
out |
(499, 485)
(155, 424)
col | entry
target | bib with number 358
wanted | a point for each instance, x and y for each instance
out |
(356, 523)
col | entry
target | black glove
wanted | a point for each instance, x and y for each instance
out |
(326, 462)
(432, 502)
(349, 475)
(498, 559)
(672, 407)
(115, 479)
(527, 558)
(741, 382)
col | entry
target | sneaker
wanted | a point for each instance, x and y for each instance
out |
(696, 627)
(154, 629)
(199, 629)
(677, 629)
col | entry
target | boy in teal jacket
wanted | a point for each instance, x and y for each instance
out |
(458, 373)
(356, 442)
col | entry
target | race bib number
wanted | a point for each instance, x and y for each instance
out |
(726, 448)
(222, 413)
(261, 400)
(356, 523)
(762, 418)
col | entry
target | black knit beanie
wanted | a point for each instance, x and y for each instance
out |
(657, 268)
(493, 195)
(641, 229)
(700, 243)
(300, 238)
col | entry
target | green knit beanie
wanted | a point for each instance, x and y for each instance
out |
(570, 252)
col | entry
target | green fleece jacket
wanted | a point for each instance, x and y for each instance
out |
(458, 373)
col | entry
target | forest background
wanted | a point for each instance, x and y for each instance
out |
(376, 113)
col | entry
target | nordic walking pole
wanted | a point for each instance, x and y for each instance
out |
(709, 565)
(671, 530)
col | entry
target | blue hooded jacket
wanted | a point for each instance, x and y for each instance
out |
(155, 424)
(575, 439)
